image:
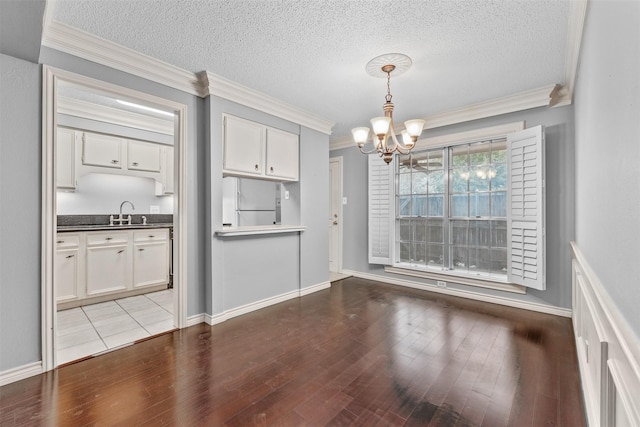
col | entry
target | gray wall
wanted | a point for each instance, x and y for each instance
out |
(607, 109)
(20, 135)
(559, 147)
(314, 207)
(20, 304)
(275, 259)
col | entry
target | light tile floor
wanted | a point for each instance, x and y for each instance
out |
(91, 329)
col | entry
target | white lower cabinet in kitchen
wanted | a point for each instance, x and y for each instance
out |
(67, 265)
(150, 257)
(93, 266)
(108, 263)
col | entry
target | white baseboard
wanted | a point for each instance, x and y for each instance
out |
(257, 305)
(608, 351)
(315, 288)
(196, 319)
(20, 373)
(526, 305)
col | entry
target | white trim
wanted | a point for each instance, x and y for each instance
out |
(597, 316)
(526, 305)
(50, 76)
(227, 89)
(474, 135)
(82, 44)
(48, 317)
(20, 373)
(180, 219)
(92, 111)
(196, 319)
(508, 104)
(575, 26)
(314, 288)
(254, 306)
(340, 161)
(452, 278)
(496, 107)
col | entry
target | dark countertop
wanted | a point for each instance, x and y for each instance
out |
(68, 228)
(66, 223)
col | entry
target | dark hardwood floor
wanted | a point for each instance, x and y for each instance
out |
(361, 353)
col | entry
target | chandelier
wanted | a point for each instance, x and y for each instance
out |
(385, 142)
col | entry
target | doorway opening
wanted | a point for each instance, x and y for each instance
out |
(335, 219)
(113, 217)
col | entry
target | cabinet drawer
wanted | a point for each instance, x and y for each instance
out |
(153, 235)
(106, 239)
(64, 241)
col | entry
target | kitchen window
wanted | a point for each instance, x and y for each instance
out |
(471, 208)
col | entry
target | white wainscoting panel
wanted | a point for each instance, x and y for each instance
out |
(608, 351)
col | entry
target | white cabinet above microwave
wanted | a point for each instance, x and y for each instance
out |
(251, 149)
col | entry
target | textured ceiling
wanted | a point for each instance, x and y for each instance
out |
(312, 53)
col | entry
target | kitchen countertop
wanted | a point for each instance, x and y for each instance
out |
(102, 227)
(101, 222)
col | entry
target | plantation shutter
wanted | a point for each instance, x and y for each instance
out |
(525, 208)
(381, 211)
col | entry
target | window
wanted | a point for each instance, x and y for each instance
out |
(473, 207)
(451, 208)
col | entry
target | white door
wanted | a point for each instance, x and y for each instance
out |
(335, 214)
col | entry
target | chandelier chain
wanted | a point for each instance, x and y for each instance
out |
(389, 96)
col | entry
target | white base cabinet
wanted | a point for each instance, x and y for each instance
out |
(97, 263)
(108, 264)
(150, 257)
(67, 267)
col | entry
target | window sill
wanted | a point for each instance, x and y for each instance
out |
(454, 278)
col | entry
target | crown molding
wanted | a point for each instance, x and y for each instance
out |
(89, 110)
(508, 104)
(82, 44)
(87, 46)
(575, 28)
(227, 89)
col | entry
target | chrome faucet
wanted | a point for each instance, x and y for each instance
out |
(120, 220)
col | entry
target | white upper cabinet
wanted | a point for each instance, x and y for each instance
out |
(102, 150)
(143, 156)
(66, 159)
(243, 146)
(255, 150)
(282, 155)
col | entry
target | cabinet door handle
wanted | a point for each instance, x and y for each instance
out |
(152, 236)
(115, 162)
(271, 169)
(60, 241)
(135, 163)
(141, 249)
(108, 238)
(120, 251)
(70, 256)
(257, 168)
